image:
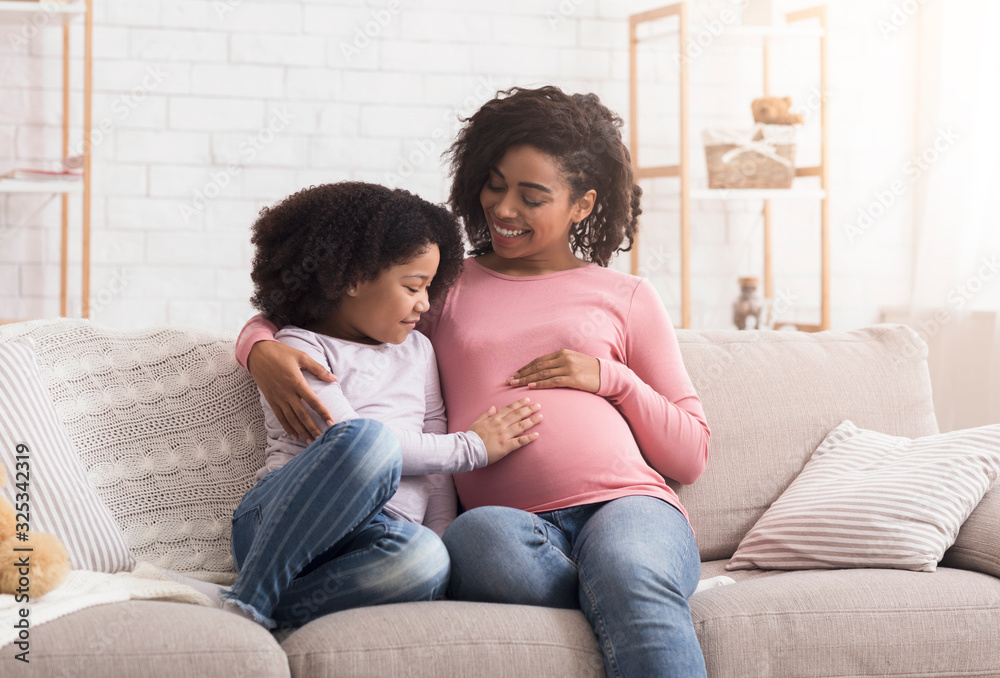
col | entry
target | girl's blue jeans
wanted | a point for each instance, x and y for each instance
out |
(310, 538)
(629, 564)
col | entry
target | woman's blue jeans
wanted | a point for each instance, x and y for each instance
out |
(310, 537)
(629, 564)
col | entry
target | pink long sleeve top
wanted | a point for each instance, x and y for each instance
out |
(645, 423)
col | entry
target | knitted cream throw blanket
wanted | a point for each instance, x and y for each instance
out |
(168, 427)
(84, 588)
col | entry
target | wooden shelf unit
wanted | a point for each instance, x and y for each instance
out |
(682, 170)
(50, 15)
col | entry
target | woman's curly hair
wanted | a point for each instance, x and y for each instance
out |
(314, 244)
(582, 134)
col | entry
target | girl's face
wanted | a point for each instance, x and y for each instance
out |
(385, 310)
(527, 206)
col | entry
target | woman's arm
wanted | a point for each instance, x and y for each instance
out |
(258, 328)
(654, 393)
(329, 394)
(277, 370)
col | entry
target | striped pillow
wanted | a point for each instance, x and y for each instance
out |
(60, 499)
(868, 499)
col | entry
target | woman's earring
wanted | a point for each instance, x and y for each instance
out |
(350, 291)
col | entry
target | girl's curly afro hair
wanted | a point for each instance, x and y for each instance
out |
(584, 137)
(314, 244)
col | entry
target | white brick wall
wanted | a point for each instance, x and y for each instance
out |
(185, 92)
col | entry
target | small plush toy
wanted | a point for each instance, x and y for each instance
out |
(774, 111)
(34, 572)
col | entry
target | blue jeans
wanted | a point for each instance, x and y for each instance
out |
(629, 564)
(310, 538)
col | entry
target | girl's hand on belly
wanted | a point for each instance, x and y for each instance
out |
(562, 369)
(503, 431)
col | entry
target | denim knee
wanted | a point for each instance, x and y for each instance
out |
(432, 564)
(414, 565)
(502, 554)
(374, 448)
(473, 530)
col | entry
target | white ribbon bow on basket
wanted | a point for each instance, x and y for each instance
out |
(746, 142)
(764, 147)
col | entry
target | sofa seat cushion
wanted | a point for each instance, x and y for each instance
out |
(446, 638)
(858, 622)
(153, 639)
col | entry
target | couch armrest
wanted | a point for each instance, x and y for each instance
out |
(977, 547)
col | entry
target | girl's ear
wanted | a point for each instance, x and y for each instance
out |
(584, 206)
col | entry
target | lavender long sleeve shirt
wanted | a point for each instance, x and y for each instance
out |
(398, 385)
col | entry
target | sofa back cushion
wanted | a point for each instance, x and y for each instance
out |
(169, 429)
(771, 397)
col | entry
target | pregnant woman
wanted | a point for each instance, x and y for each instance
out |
(582, 517)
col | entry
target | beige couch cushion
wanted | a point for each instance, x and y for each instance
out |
(152, 639)
(446, 638)
(978, 545)
(771, 398)
(851, 623)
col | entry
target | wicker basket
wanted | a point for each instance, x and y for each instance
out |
(763, 157)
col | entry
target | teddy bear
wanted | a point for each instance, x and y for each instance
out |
(34, 572)
(774, 111)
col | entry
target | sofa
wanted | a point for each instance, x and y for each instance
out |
(174, 398)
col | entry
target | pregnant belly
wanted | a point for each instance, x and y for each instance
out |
(585, 447)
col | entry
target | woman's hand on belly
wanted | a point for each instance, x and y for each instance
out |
(562, 369)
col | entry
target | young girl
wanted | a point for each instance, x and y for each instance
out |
(355, 517)
(583, 517)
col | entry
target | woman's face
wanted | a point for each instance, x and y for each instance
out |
(527, 206)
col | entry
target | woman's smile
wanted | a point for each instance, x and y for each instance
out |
(506, 231)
